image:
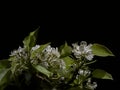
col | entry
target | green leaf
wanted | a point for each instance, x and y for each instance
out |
(42, 70)
(4, 63)
(68, 61)
(4, 73)
(101, 74)
(4, 78)
(69, 67)
(42, 47)
(30, 40)
(39, 50)
(65, 50)
(101, 50)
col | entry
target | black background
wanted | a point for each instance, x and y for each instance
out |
(59, 23)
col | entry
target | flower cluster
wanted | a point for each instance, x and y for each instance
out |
(56, 68)
(49, 58)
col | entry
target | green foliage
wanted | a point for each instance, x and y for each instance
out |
(39, 50)
(101, 74)
(101, 50)
(69, 62)
(43, 70)
(4, 78)
(65, 50)
(30, 40)
(4, 73)
(4, 64)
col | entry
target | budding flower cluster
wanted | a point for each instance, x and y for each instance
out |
(50, 58)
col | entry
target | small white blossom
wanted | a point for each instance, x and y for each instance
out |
(90, 85)
(89, 56)
(18, 51)
(82, 50)
(84, 72)
(81, 71)
(77, 76)
(51, 51)
(62, 78)
(62, 64)
(35, 47)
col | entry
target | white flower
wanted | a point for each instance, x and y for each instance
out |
(62, 78)
(35, 47)
(89, 56)
(82, 50)
(18, 51)
(90, 85)
(77, 77)
(84, 72)
(62, 64)
(51, 51)
(81, 71)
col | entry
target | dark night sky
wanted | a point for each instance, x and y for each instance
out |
(59, 24)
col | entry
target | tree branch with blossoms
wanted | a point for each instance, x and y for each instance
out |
(53, 68)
